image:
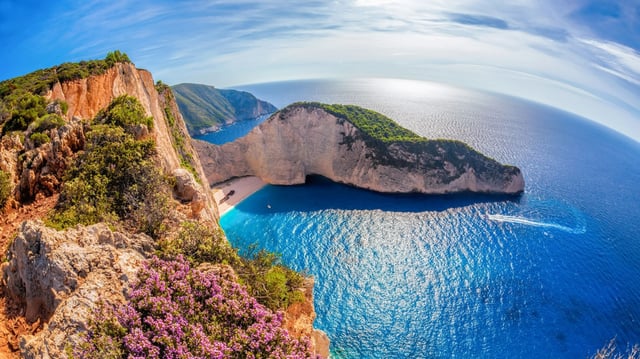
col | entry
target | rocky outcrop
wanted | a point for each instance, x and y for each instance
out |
(306, 139)
(298, 321)
(10, 147)
(187, 189)
(61, 278)
(44, 166)
(86, 97)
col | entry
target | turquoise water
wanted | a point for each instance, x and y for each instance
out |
(552, 274)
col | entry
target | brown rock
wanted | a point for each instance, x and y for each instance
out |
(298, 321)
(188, 190)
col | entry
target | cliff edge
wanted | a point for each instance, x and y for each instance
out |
(90, 154)
(355, 146)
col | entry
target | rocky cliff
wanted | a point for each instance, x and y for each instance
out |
(315, 139)
(206, 108)
(58, 278)
(86, 97)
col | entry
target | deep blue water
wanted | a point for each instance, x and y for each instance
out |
(551, 274)
(231, 132)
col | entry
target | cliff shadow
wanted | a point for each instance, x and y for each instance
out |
(320, 193)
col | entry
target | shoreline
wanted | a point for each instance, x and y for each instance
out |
(242, 188)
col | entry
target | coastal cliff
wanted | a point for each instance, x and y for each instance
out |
(110, 147)
(351, 145)
(86, 97)
(206, 108)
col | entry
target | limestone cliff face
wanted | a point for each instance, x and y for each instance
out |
(61, 278)
(306, 140)
(86, 97)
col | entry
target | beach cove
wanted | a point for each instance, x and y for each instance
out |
(413, 276)
(230, 193)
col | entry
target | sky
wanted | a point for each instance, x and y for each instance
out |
(581, 56)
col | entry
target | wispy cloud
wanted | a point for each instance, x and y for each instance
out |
(548, 51)
(479, 20)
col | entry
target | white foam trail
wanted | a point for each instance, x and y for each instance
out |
(528, 222)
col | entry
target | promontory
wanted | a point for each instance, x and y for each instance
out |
(355, 146)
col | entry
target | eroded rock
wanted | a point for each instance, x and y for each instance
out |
(304, 140)
(62, 276)
(189, 190)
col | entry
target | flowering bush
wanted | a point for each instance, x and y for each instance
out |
(265, 277)
(175, 311)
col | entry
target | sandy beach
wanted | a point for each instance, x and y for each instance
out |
(230, 193)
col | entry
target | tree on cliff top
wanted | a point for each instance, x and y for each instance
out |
(116, 56)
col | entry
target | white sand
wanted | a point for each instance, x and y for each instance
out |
(242, 187)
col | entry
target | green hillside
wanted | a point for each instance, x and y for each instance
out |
(204, 106)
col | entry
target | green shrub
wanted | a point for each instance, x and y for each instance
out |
(116, 56)
(161, 87)
(5, 188)
(199, 243)
(48, 122)
(124, 111)
(282, 285)
(271, 283)
(375, 125)
(39, 138)
(24, 108)
(114, 179)
(64, 107)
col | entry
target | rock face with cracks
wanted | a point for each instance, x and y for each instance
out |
(62, 276)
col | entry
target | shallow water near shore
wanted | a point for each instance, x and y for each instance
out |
(552, 273)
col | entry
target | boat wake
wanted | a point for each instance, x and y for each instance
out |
(526, 221)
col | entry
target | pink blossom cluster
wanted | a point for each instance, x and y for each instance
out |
(175, 311)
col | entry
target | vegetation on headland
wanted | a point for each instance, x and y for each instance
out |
(374, 124)
(21, 98)
(385, 137)
(115, 178)
(204, 106)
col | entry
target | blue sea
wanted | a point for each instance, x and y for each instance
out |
(554, 273)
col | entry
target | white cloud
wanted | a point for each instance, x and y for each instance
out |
(539, 56)
(616, 59)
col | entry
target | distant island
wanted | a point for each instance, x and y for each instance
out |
(206, 108)
(355, 146)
